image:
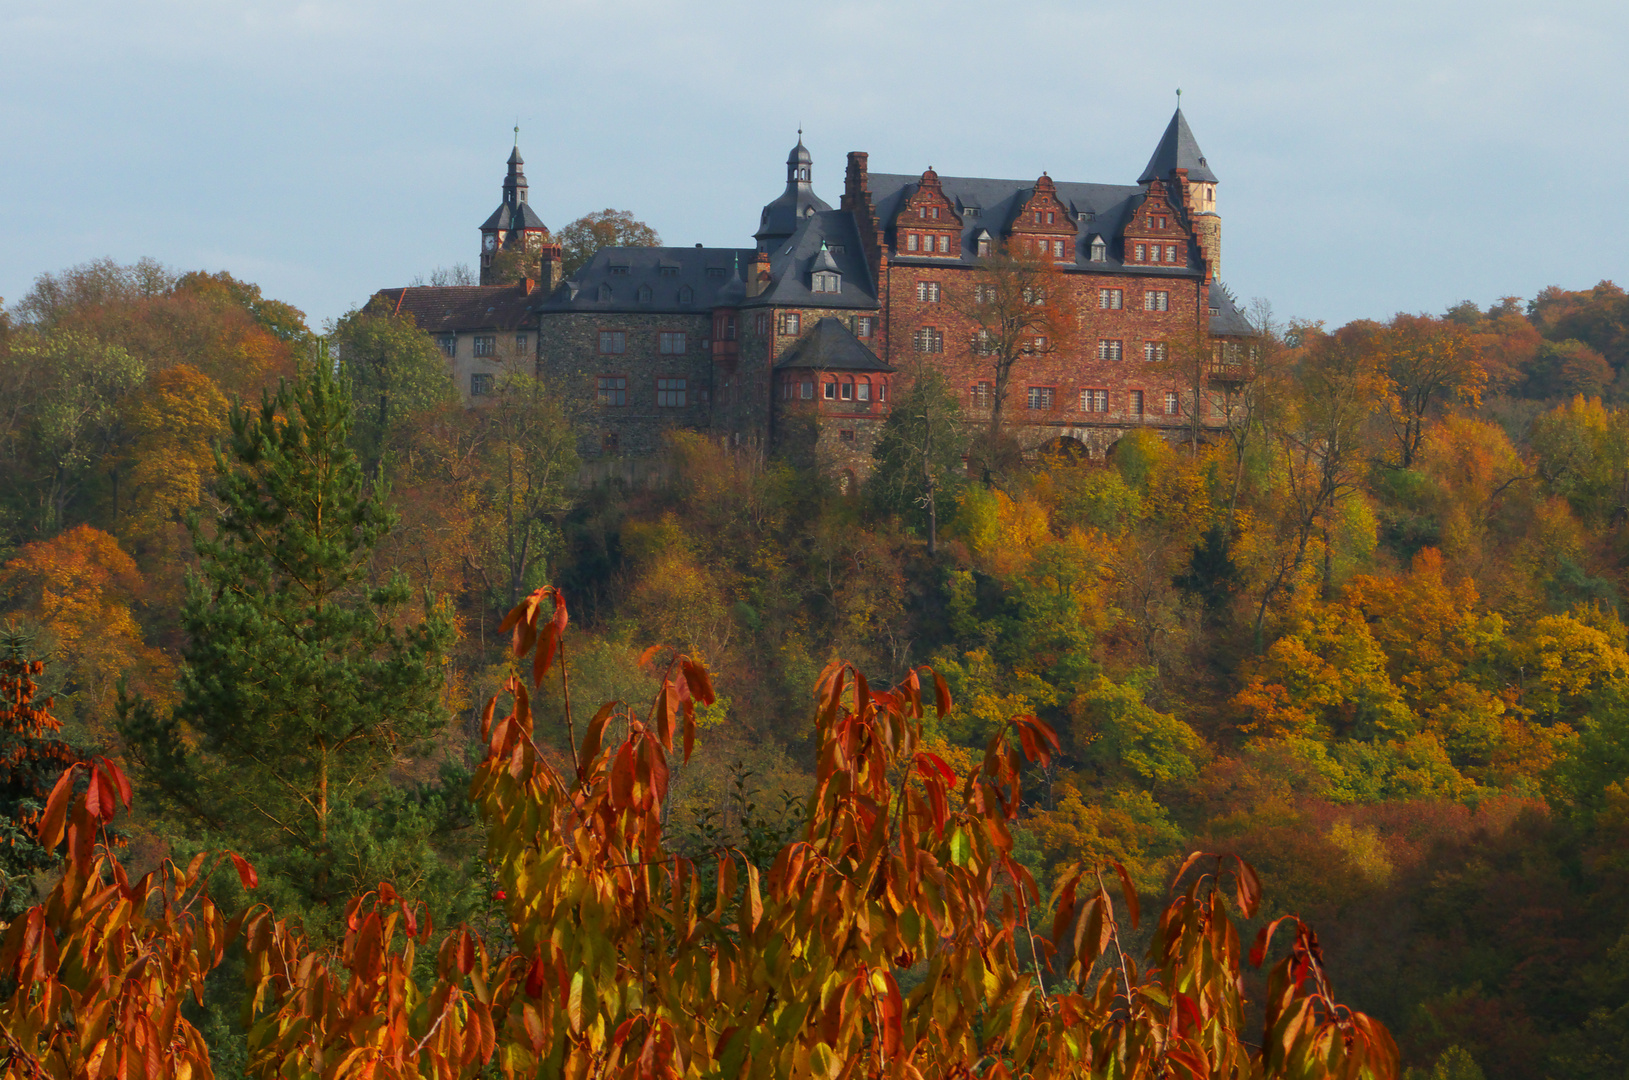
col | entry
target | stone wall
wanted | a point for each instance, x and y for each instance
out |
(570, 361)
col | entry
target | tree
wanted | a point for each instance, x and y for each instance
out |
(172, 425)
(603, 228)
(31, 758)
(1429, 362)
(302, 679)
(919, 454)
(1018, 310)
(530, 457)
(394, 371)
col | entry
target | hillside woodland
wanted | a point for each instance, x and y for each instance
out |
(1366, 633)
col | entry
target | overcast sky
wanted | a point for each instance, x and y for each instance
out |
(1373, 156)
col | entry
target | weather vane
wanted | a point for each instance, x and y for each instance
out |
(517, 133)
(1179, 97)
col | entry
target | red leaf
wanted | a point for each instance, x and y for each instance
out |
(246, 873)
(1130, 894)
(941, 695)
(700, 685)
(545, 653)
(559, 611)
(56, 810)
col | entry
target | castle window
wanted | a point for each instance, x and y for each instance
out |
(1154, 351)
(1111, 299)
(609, 442)
(829, 390)
(1057, 249)
(670, 393)
(862, 390)
(836, 249)
(671, 342)
(619, 271)
(984, 343)
(1094, 401)
(1110, 350)
(866, 326)
(481, 384)
(806, 390)
(827, 282)
(1134, 403)
(613, 341)
(847, 435)
(1142, 253)
(613, 390)
(882, 391)
(970, 211)
(927, 292)
(1039, 345)
(1100, 250)
(605, 292)
(644, 294)
(846, 390)
(984, 245)
(670, 271)
(934, 213)
(687, 295)
(715, 271)
(1040, 397)
(944, 245)
(984, 294)
(761, 325)
(983, 394)
(1215, 312)
(520, 343)
(486, 344)
(929, 339)
(791, 324)
(1172, 407)
(1170, 253)
(1157, 300)
(448, 343)
(1037, 217)
(910, 242)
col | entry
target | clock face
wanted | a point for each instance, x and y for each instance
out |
(491, 242)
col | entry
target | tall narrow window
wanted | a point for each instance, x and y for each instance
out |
(910, 242)
(983, 395)
(944, 245)
(448, 343)
(865, 326)
(1134, 403)
(1172, 406)
(1142, 250)
(520, 343)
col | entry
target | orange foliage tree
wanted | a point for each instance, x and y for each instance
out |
(618, 962)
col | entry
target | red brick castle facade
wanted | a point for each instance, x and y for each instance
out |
(810, 333)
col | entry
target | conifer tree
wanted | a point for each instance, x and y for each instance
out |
(303, 679)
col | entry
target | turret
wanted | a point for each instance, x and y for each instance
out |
(514, 225)
(780, 219)
(1180, 163)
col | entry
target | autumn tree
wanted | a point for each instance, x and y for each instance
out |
(172, 425)
(1018, 310)
(603, 228)
(303, 677)
(1430, 363)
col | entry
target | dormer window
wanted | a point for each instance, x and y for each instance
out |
(1100, 250)
(619, 271)
(827, 282)
(687, 295)
(644, 294)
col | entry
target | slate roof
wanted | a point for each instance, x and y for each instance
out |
(1228, 320)
(831, 346)
(612, 279)
(1177, 150)
(519, 216)
(991, 205)
(829, 236)
(781, 218)
(452, 308)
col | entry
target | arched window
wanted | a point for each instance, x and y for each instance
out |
(829, 389)
(687, 295)
(644, 294)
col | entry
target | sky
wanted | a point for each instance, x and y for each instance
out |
(1374, 156)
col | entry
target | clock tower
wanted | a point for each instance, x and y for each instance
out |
(514, 225)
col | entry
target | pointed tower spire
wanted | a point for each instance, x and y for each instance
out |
(1177, 150)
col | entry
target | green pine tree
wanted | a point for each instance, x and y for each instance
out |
(303, 679)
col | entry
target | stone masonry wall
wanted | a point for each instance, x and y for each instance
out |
(570, 361)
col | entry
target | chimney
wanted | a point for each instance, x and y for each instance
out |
(552, 268)
(758, 277)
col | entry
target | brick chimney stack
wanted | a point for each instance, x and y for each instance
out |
(758, 276)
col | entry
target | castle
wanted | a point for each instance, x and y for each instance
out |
(809, 332)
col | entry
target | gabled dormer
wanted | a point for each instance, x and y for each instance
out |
(1156, 235)
(1043, 225)
(927, 224)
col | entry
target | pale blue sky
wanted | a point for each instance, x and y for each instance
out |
(1374, 156)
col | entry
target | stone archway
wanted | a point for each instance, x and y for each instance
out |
(1064, 448)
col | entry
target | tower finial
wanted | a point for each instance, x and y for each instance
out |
(517, 134)
(1179, 97)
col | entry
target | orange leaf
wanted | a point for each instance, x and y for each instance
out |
(246, 873)
(56, 810)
